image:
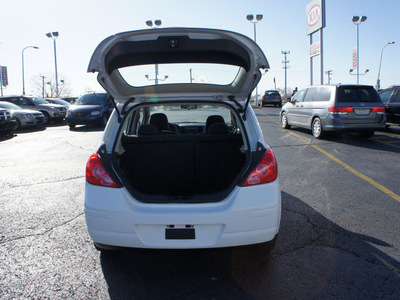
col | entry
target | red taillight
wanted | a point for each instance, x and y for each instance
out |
(340, 109)
(265, 171)
(96, 173)
(378, 109)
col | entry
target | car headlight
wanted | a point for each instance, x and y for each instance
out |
(95, 113)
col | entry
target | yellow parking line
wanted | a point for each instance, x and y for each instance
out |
(355, 172)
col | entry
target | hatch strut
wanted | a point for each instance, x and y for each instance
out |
(248, 101)
(115, 107)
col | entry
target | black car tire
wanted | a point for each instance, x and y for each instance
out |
(367, 134)
(19, 126)
(46, 119)
(316, 128)
(104, 121)
(284, 121)
(71, 126)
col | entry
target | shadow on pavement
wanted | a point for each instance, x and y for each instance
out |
(313, 258)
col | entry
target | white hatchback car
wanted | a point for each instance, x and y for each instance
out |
(183, 162)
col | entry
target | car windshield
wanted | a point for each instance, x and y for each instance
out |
(269, 93)
(39, 101)
(9, 105)
(92, 99)
(357, 94)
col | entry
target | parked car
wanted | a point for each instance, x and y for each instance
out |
(340, 108)
(50, 111)
(272, 98)
(90, 109)
(24, 117)
(58, 101)
(391, 99)
(182, 165)
(7, 122)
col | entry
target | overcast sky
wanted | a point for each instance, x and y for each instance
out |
(83, 24)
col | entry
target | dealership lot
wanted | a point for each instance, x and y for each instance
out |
(338, 238)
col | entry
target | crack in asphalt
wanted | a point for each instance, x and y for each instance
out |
(46, 182)
(5, 241)
(317, 242)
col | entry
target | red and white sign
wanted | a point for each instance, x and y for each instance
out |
(315, 49)
(355, 65)
(315, 18)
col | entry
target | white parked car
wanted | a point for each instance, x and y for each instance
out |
(183, 162)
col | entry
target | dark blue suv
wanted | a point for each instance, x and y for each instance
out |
(90, 109)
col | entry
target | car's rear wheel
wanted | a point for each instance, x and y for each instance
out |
(367, 134)
(316, 128)
(284, 121)
(71, 126)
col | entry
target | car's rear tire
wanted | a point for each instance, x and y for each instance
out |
(367, 134)
(316, 128)
(71, 127)
(284, 121)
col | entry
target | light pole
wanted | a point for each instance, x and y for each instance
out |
(54, 36)
(357, 20)
(157, 23)
(378, 81)
(23, 76)
(43, 78)
(250, 18)
(285, 67)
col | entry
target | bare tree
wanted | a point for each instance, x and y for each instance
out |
(45, 86)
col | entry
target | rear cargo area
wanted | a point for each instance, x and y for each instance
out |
(182, 164)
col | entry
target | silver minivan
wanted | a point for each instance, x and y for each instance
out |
(343, 108)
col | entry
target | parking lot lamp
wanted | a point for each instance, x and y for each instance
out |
(157, 23)
(378, 81)
(54, 36)
(357, 20)
(23, 75)
(250, 18)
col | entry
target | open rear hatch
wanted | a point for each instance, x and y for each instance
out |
(177, 46)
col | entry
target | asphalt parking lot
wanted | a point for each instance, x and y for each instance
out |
(338, 237)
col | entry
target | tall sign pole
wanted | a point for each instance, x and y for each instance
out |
(315, 22)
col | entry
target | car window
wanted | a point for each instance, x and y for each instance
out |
(39, 101)
(92, 99)
(323, 94)
(357, 94)
(397, 98)
(385, 96)
(310, 94)
(9, 105)
(23, 101)
(299, 95)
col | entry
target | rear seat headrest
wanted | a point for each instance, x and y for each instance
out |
(160, 120)
(218, 128)
(148, 129)
(213, 120)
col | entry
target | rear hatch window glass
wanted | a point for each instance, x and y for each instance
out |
(204, 73)
(355, 94)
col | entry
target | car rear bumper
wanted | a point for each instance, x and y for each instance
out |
(334, 123)
(249, 215)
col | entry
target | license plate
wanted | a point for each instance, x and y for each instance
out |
(172, 233)
(361, 111)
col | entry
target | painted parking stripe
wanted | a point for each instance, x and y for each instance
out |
(355, 172)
